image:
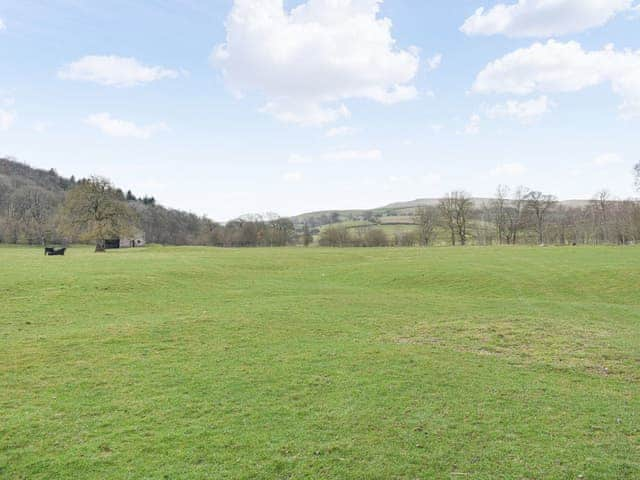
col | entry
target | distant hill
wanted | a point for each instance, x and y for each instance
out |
(424, 202)
(30, 199)
(399, 210)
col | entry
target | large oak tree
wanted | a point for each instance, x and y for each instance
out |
(94, 211)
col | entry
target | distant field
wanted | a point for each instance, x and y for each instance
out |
(192, 363)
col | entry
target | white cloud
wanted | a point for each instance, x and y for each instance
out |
(6, 119)
(434, 62)
(41, 127)
(607, 159)
(292, 177)
(304, 113)
(295, 159)
(508, 170)
(473, 127)
(309, 60)
(347, 155)
(601, 161)
(122, 128)
(340, 132)
(564, 67)
(525, 112)
(2, 25)
(543, 18)
(431, 179)
(114, 71)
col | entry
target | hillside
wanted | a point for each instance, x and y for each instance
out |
(15, 175)
(407, 208)
(30, 199)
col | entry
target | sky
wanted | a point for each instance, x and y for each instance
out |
(228, 107)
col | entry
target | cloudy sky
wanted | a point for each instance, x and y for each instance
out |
(224, 107)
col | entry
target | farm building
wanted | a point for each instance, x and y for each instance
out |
(137, 240)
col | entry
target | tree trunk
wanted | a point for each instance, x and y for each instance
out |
(99, 246)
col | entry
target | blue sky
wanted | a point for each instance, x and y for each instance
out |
(224, 108)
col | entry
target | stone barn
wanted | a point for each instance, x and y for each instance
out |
(137, 240)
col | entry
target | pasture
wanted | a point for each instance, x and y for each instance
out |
(191, 363)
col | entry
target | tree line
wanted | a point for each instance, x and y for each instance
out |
(513, 216)
(40, 207)
(37, 207)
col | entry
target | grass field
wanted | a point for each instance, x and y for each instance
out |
(193, 363)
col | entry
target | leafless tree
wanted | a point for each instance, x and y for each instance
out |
(498, 210)
(463, 205)
(407, 239)
(516, 214)
(334, 236)
(636, 171)
(455, 208)
(447, 207)
(307, 238)
(376, 237)
(601, 205)
(540, 205)
(426, 219)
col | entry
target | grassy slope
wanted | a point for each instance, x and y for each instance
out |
(420, 363)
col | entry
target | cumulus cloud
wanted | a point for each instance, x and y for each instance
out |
(2, 25)
(525, 111)
(508, 170)
(543, 18)
(434, 62)
(6, 119)
(340, 132)
(295, 159)
(600, 162)
(564, 67)
(292, 177)
(431, 179)
(41, 127)
(607, 159)
(114, 71)
(309, 60)
(348, 155)
(473, 127)
(122, 128)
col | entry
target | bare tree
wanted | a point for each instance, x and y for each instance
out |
(376, 237)
(540, 205)
(463, 204)
(307, 238)
(447, 207)
(636, 171)
(600, 205)
(334, 236)
(516, 214)
(30, 214)
(455, 208)
(426, 219)
(498, 209)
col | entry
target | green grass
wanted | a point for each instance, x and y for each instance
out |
(192, 363)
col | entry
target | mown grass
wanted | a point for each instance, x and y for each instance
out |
(185, 363)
